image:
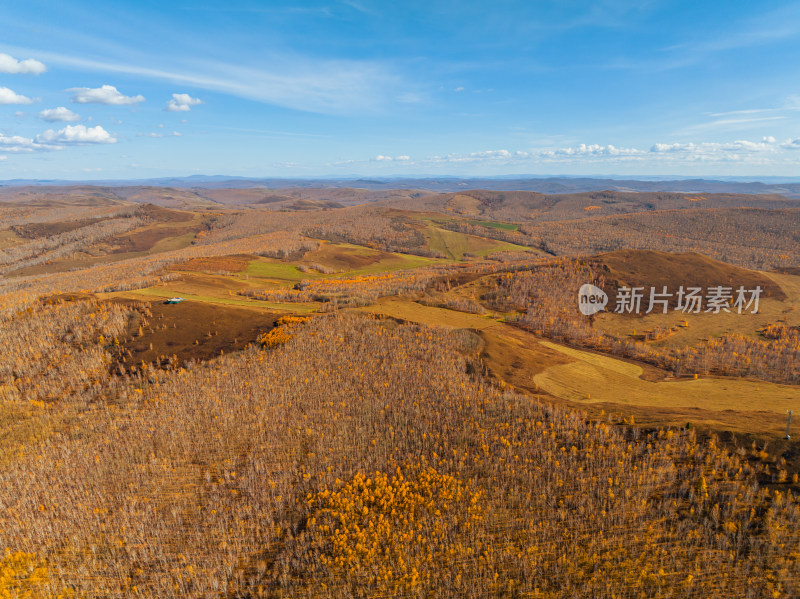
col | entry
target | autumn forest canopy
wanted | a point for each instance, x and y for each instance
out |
(339, 392)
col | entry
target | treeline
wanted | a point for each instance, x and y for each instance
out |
(144, 271)
(368, 288)
(748, 237)
(63, 245)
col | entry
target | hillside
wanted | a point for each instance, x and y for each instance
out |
(354, 399)
(653, 269)
(526, 206)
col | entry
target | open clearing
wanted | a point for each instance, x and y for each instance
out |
(456, 245)
(596, 378)
(200, 293)
(344, 259)
(349, 259)
(190, 330)
(591, 381)
(594, 382)
(701, 326)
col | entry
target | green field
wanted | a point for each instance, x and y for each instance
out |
(349, 260)
(454, 244)
(494, 224)
(168, 291)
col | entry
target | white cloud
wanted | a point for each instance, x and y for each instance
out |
(182, 103)
(8, 96)
(9, 64)
(484, 156)
(676, 147)
(715, 150)
(460, 88)
(383, 158)
(60, 114)
(764, 152)
(491, 154)
(106, 94)
(18, 144)
(77, 134)
(3, 158)
(592, 150)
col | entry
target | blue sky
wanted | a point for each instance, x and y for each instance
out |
(360, 87)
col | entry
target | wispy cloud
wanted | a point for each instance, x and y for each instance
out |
(359, 7)
(731, 124)
(740, 112)
(272, 132)
(772, 27)
(297, 82)
(159, 135)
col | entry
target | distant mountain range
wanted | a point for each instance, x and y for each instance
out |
(788, 187)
